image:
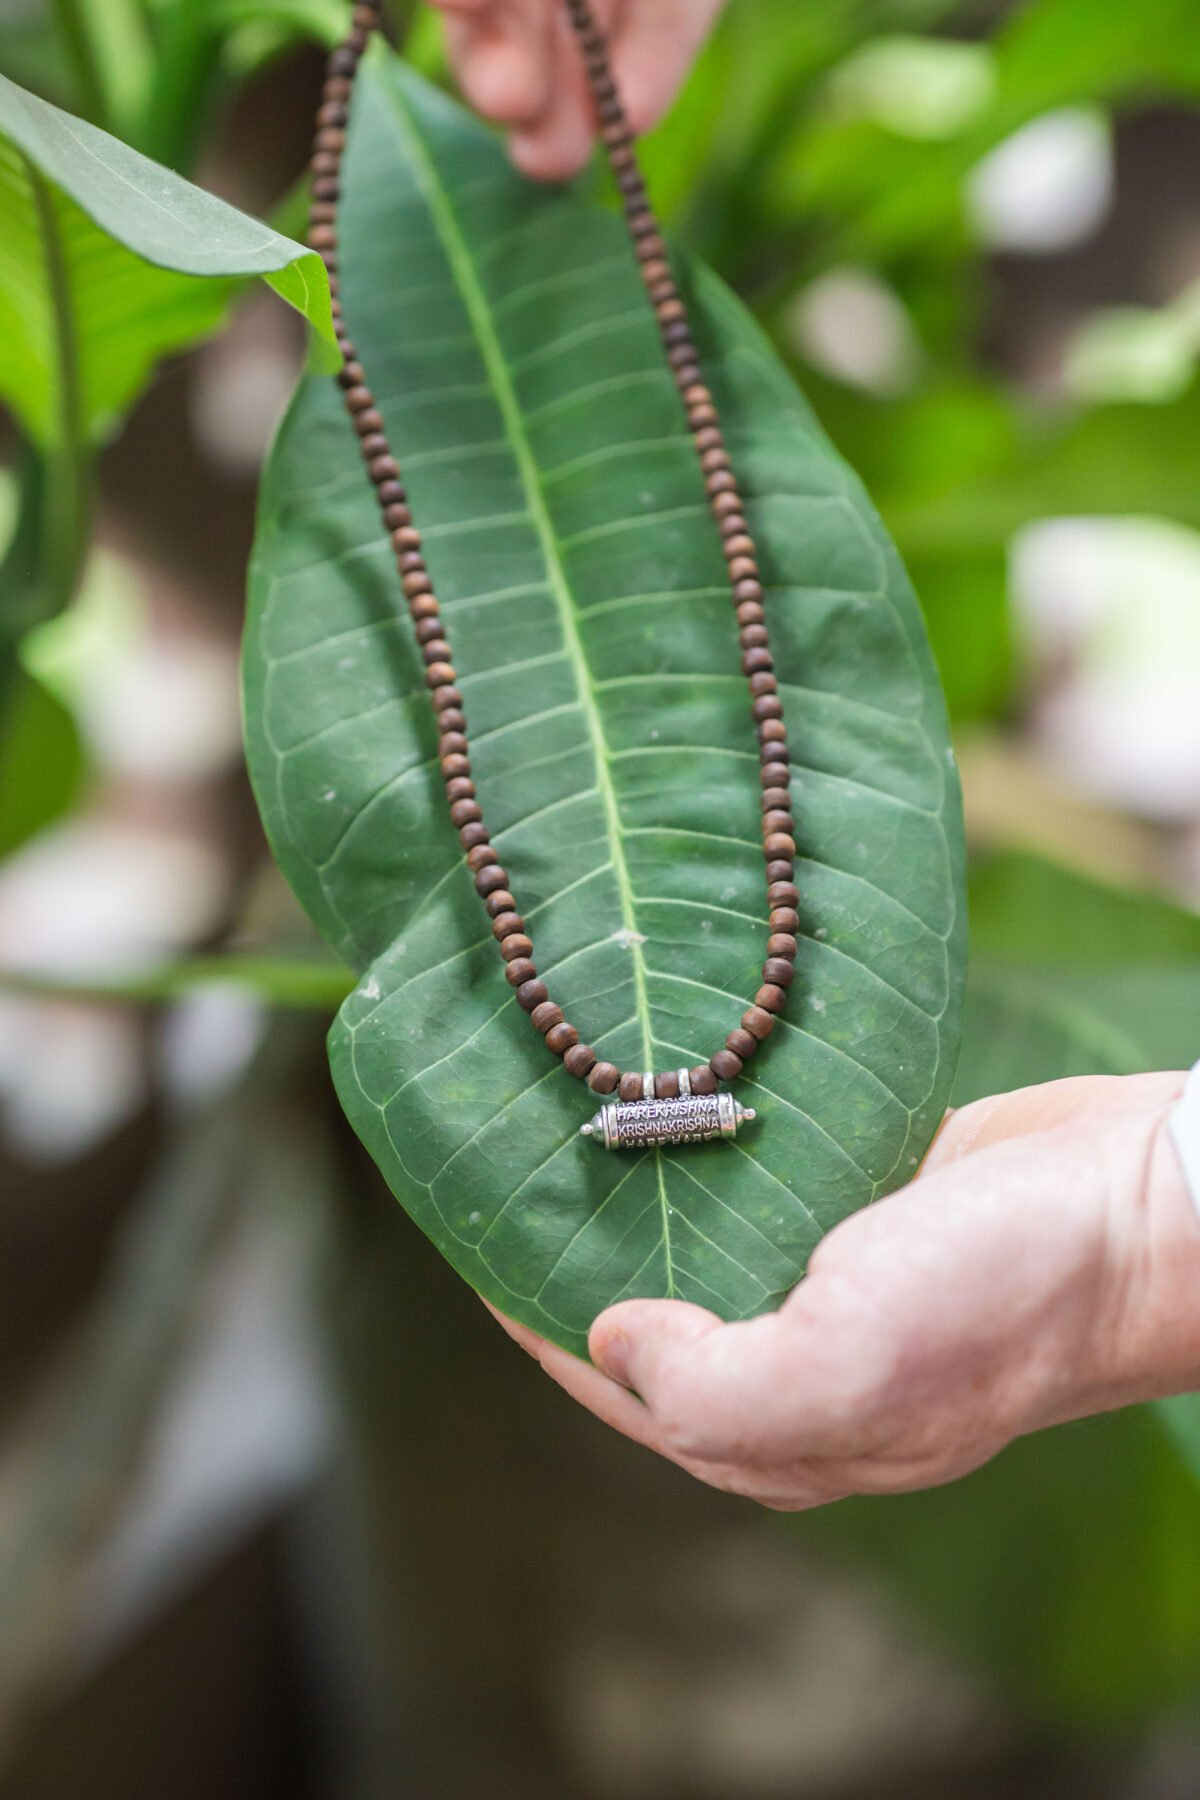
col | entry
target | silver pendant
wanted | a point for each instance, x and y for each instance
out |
(688, 1119)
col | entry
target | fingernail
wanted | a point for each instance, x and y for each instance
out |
(613, 1357)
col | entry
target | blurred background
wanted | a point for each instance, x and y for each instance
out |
(281, 1512)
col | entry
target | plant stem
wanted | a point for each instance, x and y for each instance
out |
(279, 981)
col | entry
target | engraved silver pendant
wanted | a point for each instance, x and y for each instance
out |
(688, 1119)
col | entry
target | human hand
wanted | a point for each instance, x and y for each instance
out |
(1043, 1266)
(518, 63)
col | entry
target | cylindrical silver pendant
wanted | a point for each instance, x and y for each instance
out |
(689, 1119)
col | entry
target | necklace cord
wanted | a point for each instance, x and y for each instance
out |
(725, 503)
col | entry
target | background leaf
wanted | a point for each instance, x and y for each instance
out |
(516, 361)
(99, 254)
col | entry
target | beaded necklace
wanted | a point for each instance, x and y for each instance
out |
(681, 1105)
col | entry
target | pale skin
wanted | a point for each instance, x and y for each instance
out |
(1044, 1265)
(518, 64)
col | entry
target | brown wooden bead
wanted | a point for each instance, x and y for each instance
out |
(747, 590)
(780, 868)
(775, 774)
(351, 375)
(741, 1042)
(429, 631)
(784, 918)
(603, 1077)
(720, 482)
(460, 787)
(531, 994)
(630, 1087)
(779, 971)
(453, 742)
(740, 569)
(331, 137)
(579, 1060)
(771, 731)
(455, 763)
(491, 881)
(521, 968)
(358, 399)
(506, 924)
(781, 943)
(712, 460)
(771, 997)
(446, 699)
(417, 582)
(435, 651)
(754, 660)
(450, 717)
(686, 374)
(560, 1037)
(776, 799)
(472, 836)
(750, 637)
(764, 682)
(374, 444)
(405, 535)
(383, 468)
(777, 819)
(767, 706)
(323, 163)
(740, 543)
(326, 187)
(517, 944)
(465, 812)
(666, 1086)
(655, 269)
(702, 1079)
(750, 613)
(337, 87)
(500, 902)
(725, 1065)
(424, 606)
(546, 1014)
(726, 505)
(481, 856)
(730, 524)
(758, 1022)
(331, 114)
(392, 493)
(322, 237)
(783, 893)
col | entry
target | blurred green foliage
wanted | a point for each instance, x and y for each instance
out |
(813, 137)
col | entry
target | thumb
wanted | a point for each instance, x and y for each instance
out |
(632, 1339)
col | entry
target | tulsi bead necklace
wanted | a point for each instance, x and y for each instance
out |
(682, 1105)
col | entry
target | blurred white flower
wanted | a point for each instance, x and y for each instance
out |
(1109, 612)
(849, 324)
(69, 1075)
(97, 898)
(1047, 187)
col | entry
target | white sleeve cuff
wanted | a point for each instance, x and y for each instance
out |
(1184, 1126)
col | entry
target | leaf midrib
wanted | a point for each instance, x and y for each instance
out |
(459, 255)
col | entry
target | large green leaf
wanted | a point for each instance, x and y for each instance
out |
(513, 354)
(108, 262)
